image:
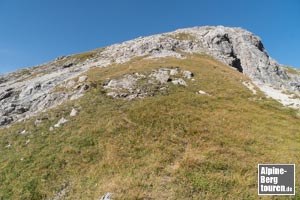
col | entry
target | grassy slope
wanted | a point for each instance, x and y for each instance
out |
(177, 146)
(291, 70)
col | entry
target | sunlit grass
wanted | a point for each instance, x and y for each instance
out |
(176, 146)
(184, 36)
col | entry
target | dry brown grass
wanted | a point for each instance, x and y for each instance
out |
(176, 146)
(291, 70)
(184, 36)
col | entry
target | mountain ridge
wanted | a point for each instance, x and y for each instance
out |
(29, 91)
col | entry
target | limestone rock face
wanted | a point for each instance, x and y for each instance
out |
(27, 92)
(233, 46)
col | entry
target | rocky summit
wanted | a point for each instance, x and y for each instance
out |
(29, 91)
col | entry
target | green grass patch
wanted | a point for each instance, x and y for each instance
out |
(291, 70)
(183, 36)
(86, 55)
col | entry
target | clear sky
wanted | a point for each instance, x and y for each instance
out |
(36, 31)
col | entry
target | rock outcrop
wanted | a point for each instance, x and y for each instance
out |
(138, 85)
(29, 91)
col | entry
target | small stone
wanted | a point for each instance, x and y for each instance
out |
(126, 82)
(187, 74)
(67, 65)
(82, 79)
(84, 88)
(76, 96)
(139, 75)
(51, 129)
(73, 112)
(202, 93)
(173, 72)
(60, 122)
(112, 94)
(24, 132)
(107, 196)
(77, 87)
(59, 58)
(133, 96)
(70, 84)
(179, 81)
(37, 122)
(162, 76)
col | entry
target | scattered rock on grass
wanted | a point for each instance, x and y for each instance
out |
(179, 81)
(73, 112)
(24, 132)
(137, 85)
(107, 196)
(187, 74)
(162, 75)
(203, 93)
(82, 78)
(61, 122)
(37, 122)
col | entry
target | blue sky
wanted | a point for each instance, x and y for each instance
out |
(36, 31)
